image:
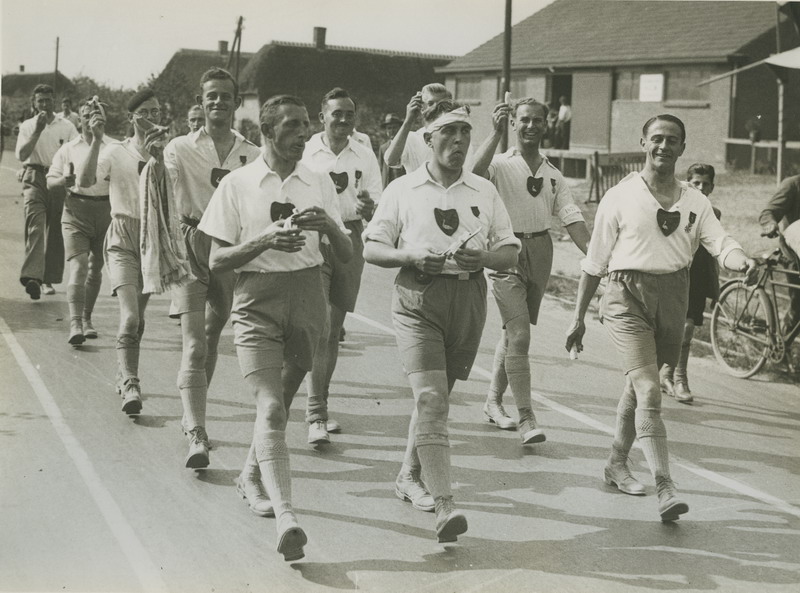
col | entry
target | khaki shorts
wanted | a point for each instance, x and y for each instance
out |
(439, 324)
(84, 223)
(520, 290)
(644, 315)
(121, 249)
(277, 317)
(213, 288)
(344, 279)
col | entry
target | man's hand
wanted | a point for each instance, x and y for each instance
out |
(575, 334)
(414, 107)
(69, 180)
(469, 259)
(97, 125)
(314, 219)
(41, 122)
(500, 116)
(769, 229)
(276, 237)
(154, 141)
(365, 207)
(750, 272)
(20, 174)
(427, 261)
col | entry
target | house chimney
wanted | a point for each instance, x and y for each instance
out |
(223, 48)
(22, 67)
(319, 37)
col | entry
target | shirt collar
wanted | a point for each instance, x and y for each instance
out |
(262, 170)
(202, 136)
(317, 144)
(422, 176)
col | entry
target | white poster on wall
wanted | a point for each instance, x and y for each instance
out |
(651, 88)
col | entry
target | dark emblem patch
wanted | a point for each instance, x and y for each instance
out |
(447, 220)
(141, 166)
(692, 220)
(280, 210)
(535, 185)
(668, 221)
(339, 180)
(476, 211)
(217, 175)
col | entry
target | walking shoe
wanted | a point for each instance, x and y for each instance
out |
(450, 523)
(496, 414)
(342, 334)
(666, 379)
(318, 433)
(333, 426)
(670, 507)
(619, 475)
(76, 335)
(682, 393)
(34, 289)
(409, 486)
(198, 448)
(251, 489)
(89, 331)
(131, 397)
(48, 289)
(528, 430)
(292, 538)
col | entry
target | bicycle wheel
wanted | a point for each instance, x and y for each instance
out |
(741, 329)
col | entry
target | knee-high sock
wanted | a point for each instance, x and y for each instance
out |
(411, 460)
(518, 371)
(211, 365)
(683, 359)
(193, 388)
(653, 437)
(140, 329)
(499, 381)
(128, 355)
(93, 283)
(76, 296)
(625, 431)
(273, 461)
(433, 448)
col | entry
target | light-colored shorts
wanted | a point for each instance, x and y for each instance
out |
(277, 317)
(84, 223)
(344, 279)
(520, 290)
(439, 323)
(122, 255)
(213, 288)
(644, 315)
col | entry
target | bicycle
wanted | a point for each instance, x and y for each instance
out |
(745, 326)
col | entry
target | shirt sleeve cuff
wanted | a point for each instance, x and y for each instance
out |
(592, 268)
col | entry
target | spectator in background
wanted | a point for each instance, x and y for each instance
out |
(68, 114)
(563, 123)
(390, 126)
(195, 118)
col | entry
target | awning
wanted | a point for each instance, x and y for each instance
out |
(786, 59)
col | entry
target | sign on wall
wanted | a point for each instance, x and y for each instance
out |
(651, 88)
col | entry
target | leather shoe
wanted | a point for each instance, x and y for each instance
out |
(496, 414)
(250, 488)
(410, 487)
(619, 475)
(681, 392)
(450, 523)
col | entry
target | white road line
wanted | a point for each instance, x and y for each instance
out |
(142, 565)
(712, 476)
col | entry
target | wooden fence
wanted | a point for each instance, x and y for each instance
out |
(610, 169)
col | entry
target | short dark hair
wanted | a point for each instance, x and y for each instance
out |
(44, 89)
(269, 110)
(140, 97)
(701, 169)
(442, 107)
(664, 117)
(216, 73)
(529, 101)
(337, 93)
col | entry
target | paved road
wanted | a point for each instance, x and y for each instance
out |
(93, 501)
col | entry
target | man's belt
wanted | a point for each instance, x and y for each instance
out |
(41, 168)
(424, 278)
(85, 197)
(189, 221)
(531, 235)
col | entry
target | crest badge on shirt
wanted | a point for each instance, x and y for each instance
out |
(668, 221)
(535, 185)
(476, 211)
(281, 210)
(692, 219)
(339, 180)
(447, 220)
(217, 175)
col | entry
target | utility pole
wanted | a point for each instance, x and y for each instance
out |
(55, 73)
(236, 50)
(506, 68)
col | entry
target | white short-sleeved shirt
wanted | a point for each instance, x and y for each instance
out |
(242, 207)
(406, 215)
(73, 118)
(532, 213)
(195, 170)
(627, 236)
(119, 164)
(355, 168)
(75, 152)
(54, 136)
(362, 138)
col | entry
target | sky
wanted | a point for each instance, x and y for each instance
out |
(121, 43)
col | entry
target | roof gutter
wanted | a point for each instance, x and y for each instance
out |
(573, 65)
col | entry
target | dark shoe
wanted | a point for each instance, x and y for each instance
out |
(670, 507)
(666, 378)
(619, 475)
(292, 538)
(252, 491)
(198, 449)
(131, 397)
(410, 487)
(76, 335)
(496, 414)
(89, 331)
(342, 334)
(34, 289)
(528, 431)
(682, 393)
(450, 523)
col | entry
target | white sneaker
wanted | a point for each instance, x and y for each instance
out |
(318, 433)
(333, 426)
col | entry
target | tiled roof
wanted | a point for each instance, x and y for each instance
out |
(574, 33)
(367, 50)
(23, 83)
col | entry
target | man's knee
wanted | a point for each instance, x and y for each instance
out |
(518, 335)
